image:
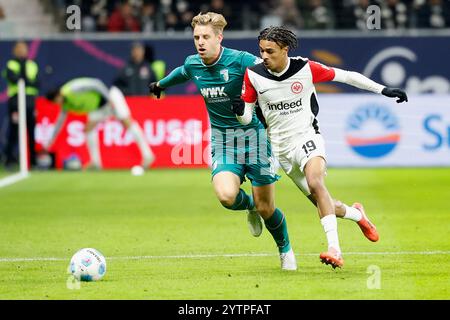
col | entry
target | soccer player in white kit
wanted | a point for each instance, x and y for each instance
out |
(284, 88)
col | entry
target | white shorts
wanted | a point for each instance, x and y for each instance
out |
(117, 107)
(293, 163)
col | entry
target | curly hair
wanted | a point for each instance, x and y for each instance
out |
(280, 35)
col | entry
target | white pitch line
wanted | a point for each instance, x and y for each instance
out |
(235, 255)
(4, 182)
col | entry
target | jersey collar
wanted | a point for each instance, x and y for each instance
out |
(279, 74)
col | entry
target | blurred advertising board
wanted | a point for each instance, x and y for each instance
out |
(360, 130)
(176, 128)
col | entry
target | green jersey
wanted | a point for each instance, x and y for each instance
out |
(219, 83)
(241, 149)
(84, 95)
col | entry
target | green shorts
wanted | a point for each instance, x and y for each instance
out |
(257, 174)
(252, 158)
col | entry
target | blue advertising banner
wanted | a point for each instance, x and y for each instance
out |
(368, 130)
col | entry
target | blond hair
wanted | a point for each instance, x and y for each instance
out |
(216, 20)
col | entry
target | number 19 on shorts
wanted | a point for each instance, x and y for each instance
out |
(309, 147)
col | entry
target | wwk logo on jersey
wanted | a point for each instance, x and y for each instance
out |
(213, 92)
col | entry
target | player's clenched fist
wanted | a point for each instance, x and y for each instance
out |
(395, 93)
(155, 89)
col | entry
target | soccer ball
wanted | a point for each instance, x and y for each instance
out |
(137, 171)
(88, 264)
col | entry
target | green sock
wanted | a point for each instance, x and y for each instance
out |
(243, 202)
(277, 227)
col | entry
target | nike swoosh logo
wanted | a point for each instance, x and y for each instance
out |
(197, 77)
(262, 91)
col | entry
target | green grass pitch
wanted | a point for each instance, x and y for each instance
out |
(165, 236)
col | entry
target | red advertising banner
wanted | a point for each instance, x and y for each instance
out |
(176, 128)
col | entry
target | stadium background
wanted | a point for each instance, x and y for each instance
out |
(410, 51)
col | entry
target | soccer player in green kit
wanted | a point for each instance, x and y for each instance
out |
(91, 96)
(218, 73)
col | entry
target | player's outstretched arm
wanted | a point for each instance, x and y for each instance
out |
(177, 76)
(360, 81)
(322, 73)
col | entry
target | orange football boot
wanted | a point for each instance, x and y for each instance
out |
(333, 257)
(367, 227)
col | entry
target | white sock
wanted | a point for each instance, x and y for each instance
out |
(352, 213)
(138, 135)
(329, 224)
(94, 150)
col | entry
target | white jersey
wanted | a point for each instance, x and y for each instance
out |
(288, 100)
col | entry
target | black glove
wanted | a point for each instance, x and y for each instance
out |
(238, 107)
(155, 89)
(395, 93)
